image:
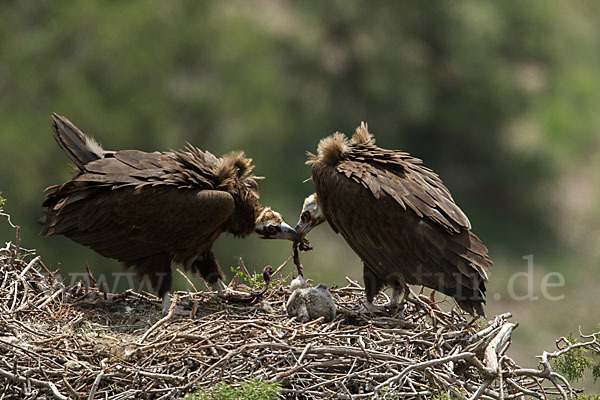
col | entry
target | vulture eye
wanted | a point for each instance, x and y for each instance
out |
(305, 217)
(271, 229)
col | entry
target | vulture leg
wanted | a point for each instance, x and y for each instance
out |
(373, 286)
(156, 269)
(395, 302)
(207, 265)
(397, 290)
(220, 286)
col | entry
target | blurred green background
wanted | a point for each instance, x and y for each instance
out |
(502, 99)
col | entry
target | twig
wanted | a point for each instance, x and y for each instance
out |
(161, 321)
(423, 365)
(187, 279)
(490, 357)
(95, 385)
(282, 265)
(48, 385)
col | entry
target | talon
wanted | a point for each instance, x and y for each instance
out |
(370, 308)
(389, 308)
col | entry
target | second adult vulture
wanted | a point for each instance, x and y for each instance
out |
(398, 217)
(149, 210)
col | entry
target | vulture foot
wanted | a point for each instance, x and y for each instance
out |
(370, 308)
(394, 307)
(390, 308)
(167, 303)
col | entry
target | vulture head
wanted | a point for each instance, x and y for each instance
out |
(270, 225)
(311, 215)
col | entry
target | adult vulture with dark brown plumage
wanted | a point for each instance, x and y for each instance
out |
(149, 210)
(399, 218)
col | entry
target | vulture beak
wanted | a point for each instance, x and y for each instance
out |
(311, 216)
(303, 227)
(309, 220)
(283, 231)
(287, 232)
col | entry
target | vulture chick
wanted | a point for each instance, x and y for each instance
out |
(311, 303)
(398, 217)
(298, 283)
(149, 210)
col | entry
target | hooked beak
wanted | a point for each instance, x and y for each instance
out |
(286, 232)
(302, 228)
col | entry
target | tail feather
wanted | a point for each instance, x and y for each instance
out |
(80, 148)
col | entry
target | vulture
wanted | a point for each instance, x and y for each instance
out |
(149, 210)
(398, 217)
(309, 303)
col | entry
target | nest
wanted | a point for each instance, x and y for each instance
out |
(80, 342)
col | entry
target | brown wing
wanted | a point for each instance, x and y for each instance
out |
(127, 204)
(410, 184)
(130, 224)
(402, 230)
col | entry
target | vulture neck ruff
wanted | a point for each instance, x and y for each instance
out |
(235, 177)
(331, 150)
(335, 148)
(232, 173)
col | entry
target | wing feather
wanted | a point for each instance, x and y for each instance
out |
(117, 223)
(407, 233)
(409, 183)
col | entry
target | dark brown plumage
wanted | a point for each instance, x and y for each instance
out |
(149, 210)
(399, 218)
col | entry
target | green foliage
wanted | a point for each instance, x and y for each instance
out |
(256, 280)
(441, 396)
(2, 202)
(454, 395)
(253, 389)
(574, 364)
(588, 397)
(391, 394)
(596, 371)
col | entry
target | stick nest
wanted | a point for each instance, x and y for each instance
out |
(83, 343)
